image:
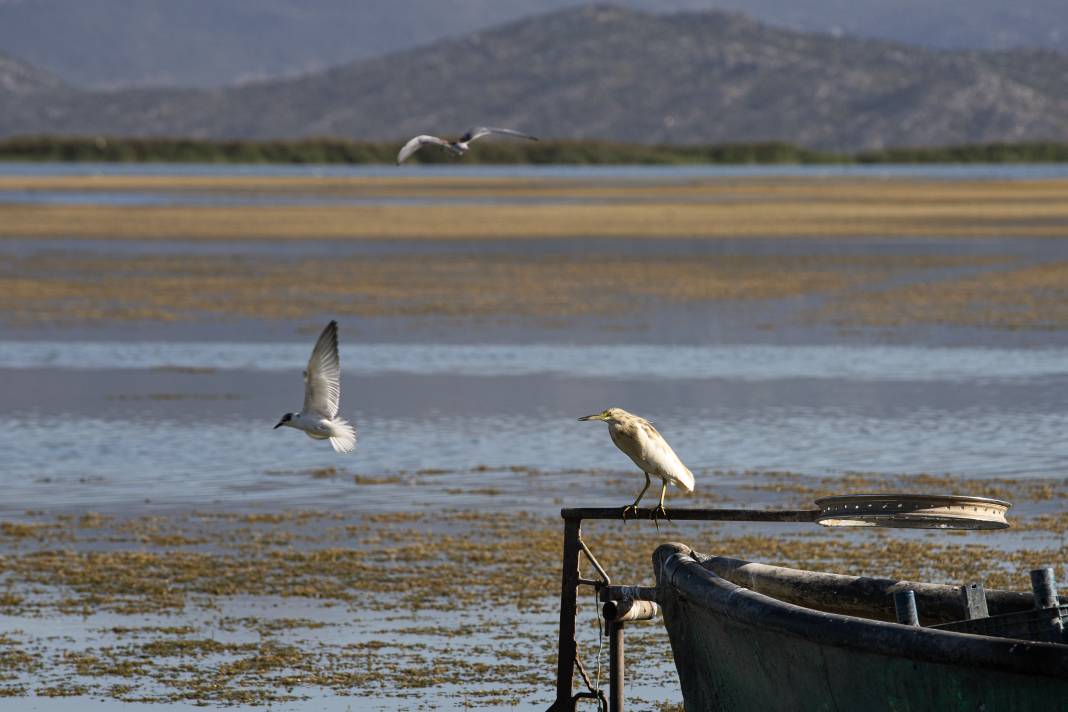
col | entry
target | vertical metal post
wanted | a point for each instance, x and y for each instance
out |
(615, 664)
(565, 665)
(973, 596)
(905, 604)
(1044, 586)
(616, 613)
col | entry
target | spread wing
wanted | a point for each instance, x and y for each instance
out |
(322, 380)
(480, 131)
(416, 143)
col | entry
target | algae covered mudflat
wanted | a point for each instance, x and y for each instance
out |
(866, 252)
(454, 606)
(75, 287)
(529, 208)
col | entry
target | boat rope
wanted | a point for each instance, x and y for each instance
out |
(584, 675)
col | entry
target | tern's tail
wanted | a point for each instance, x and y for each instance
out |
(342, 435)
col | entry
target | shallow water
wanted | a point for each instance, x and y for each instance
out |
(191, 198)
(626, 362)
(105, 424)
(402, 636)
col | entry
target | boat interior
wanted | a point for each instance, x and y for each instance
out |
(1038, 615)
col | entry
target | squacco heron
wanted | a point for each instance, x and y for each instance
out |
(636, 437)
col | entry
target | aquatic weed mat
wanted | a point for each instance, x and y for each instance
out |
(1031, 297)
(452, 607)
(65, 287)
(555, 209)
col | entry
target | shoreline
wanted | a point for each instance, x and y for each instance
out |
(326, 150)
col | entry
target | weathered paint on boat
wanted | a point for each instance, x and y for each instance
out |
(736, 649)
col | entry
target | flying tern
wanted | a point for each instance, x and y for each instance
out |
(457, 148)
(322, 393)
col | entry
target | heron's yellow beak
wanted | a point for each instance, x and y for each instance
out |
(596, 416)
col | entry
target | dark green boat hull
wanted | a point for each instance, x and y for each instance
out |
(739, 650)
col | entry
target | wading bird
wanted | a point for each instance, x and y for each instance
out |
(638, 439)
(456, 148)
(322, 392)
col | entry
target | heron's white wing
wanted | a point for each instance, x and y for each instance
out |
(651, 452)
(480, 131)
(416, 143)
(322, 379)
(665, 462)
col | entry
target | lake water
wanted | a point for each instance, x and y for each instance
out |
(480, 416)
(106, 422)
(101, 416)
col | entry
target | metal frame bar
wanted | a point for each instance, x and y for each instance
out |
(615, 666)
(567, 655)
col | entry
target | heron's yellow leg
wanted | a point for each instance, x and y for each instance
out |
(660, 509)
(641, 494)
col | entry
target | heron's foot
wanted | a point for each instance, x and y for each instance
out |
(630, 508)
(658, 512)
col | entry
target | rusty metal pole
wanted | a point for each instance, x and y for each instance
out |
(565, 664)
(616, 613)
(615, 665)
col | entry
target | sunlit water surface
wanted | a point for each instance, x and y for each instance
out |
(108, 423)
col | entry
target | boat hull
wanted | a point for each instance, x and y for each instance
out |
(736, 650)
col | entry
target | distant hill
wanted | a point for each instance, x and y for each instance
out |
(25, 91)
(112, 43)
(608, 73)
(19, 79)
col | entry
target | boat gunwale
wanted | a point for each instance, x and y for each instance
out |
(855, 595)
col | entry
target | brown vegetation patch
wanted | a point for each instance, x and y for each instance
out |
(167, 288)
(699, 208)
(1034, 297)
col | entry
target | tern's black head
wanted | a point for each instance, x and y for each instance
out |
(285, 419)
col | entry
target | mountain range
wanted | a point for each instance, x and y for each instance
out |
(603, 72)
(18, 78)
(118, 43)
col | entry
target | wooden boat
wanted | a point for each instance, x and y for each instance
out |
(748, 636)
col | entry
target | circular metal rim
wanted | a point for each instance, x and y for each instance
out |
(919, 511)
(946, 498)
